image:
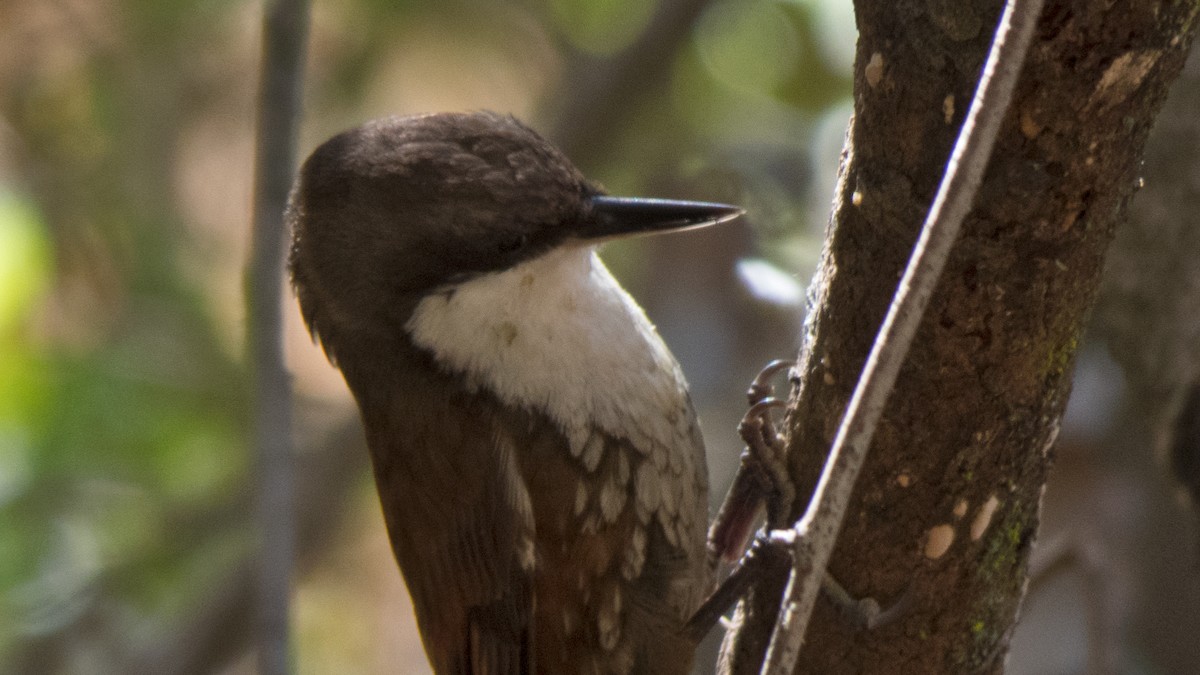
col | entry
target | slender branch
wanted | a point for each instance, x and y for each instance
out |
(285, 32)
(817, 531)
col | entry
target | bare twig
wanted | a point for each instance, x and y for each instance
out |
(285, 31)
(817, 531)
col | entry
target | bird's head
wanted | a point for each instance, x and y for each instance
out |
(391, 211)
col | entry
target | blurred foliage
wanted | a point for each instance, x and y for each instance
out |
(599, 26)
(125, 151)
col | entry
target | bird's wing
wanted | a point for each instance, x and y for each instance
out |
(464, 541)
(620, 550)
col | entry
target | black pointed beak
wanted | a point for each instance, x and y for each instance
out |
(613, 217)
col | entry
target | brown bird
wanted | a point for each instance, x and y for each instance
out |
(535, 450)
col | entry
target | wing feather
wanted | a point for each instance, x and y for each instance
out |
(461, 526)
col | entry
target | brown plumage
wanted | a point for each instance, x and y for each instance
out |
(545, 494)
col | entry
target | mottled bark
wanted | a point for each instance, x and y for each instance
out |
(947, 505)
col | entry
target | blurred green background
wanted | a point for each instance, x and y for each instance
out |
(126, 150)
(126, 143)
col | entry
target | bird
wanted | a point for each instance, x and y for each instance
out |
(536, 454)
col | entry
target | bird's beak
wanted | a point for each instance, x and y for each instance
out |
(614, 217)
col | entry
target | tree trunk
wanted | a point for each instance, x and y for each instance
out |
(948, 503)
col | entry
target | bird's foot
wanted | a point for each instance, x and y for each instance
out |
(865, 613)
(767, 551)
(762, 475)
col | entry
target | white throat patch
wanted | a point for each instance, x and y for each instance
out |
(558, 334)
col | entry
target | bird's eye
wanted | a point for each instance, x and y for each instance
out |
(513, 244)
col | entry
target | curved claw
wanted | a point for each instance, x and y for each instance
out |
(760, 387)
(756, 428)
(866, 613)
(760, 408)
(897, 610)
(761, 478)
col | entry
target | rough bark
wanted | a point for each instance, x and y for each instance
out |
(947, 505)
